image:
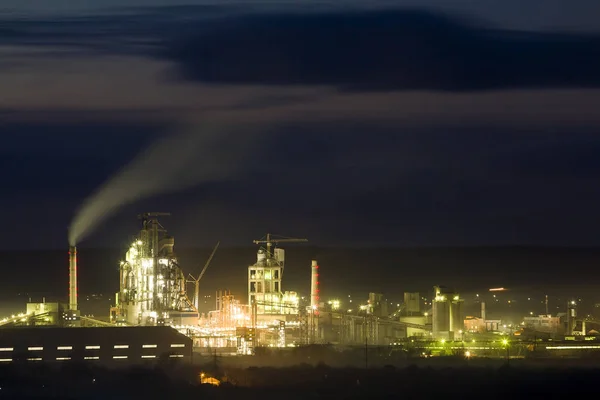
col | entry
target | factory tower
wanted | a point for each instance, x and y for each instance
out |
(265, 277)
(447, 322)
(152, 285)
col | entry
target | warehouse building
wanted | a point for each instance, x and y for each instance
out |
(113, 346)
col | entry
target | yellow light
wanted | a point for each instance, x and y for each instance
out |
(335, 304)
(505, 341)
(467, 354)
(443, 341)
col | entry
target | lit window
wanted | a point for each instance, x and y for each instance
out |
(119, 357)
(121, 346)
(35, 359)
(63, 358)
(92, 347)
(150, 356)
(178, 345)
(176, 356)
(35, 348)
(5, 359)
(91, 358)
(6, 349)
(149, 346)
(64, 348)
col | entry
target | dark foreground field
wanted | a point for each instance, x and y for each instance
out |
(302, 382)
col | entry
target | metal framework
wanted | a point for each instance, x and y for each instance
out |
(152, 285)
(265, 278)
(196, 281)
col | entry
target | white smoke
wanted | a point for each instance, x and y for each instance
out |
(176, 162)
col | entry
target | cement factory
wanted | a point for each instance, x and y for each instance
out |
(153, 316)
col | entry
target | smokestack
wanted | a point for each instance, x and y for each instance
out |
(314, 286)
(483, 310)
(72, 278)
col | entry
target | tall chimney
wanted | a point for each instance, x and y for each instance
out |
(314, 287)
(72, 278)
(483, 311)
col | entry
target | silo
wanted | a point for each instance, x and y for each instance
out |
(447, 318)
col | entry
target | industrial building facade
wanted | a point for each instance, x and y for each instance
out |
(114, 346)
(447, 321)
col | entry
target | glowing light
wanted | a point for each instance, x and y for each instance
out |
(467, 354)
(505, 342)
(335, 304)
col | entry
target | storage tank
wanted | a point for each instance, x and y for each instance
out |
(261, 256)
(447, 319)
(412, 303)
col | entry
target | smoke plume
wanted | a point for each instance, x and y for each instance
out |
(174, 162)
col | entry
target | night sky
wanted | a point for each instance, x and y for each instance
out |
(412, 123)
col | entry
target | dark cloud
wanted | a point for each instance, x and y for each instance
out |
(414, 186)
(335, 182)
(139, 31)
(385, 50)
(335, 179)
(66, 154)
(351, 50)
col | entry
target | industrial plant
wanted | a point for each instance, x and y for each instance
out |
(155, 314)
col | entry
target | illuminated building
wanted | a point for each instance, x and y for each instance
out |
(110, 346)
(545, 324)
(265, 292)
(377, 305)
(412, 303)
(447, 321)
(152, 286)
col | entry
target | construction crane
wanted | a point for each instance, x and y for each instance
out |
(196, 281)
(269, 241)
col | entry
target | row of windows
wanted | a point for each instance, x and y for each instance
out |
(264, 274)
(93, 358)
(116, 346)
(258, 287)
